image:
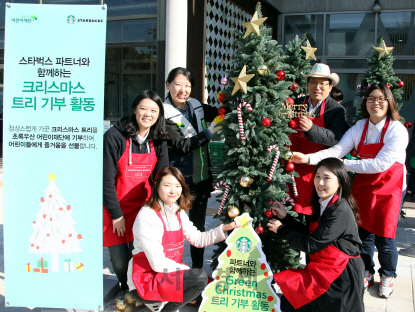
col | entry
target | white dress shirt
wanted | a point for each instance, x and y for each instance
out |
(395, 142)
(312, 109)
(148, 237)
(324, 203)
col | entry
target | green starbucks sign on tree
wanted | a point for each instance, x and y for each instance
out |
(242, 280)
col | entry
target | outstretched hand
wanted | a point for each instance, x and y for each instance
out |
(278, 210)
(230, 226)
(300, 158)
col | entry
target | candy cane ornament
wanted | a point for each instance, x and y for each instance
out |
(274, 163)
(225, 194)
(241, 125)
(294, 187)
(288, 199)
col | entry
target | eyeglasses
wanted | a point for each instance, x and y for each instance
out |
(321, 84)
(372, 99)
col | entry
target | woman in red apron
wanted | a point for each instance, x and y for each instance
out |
(380, 140)
(156, 273)
(323, 129)
(333, 279)
(133, 149)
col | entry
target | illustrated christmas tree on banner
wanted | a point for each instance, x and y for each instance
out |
(53, 230)
(256, 130)
(380, 69)
(242, 280)
(297, 63)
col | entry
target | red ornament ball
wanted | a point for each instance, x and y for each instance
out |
(353, 153)
(289, 167)
(290, 101)
(60, 209)
(68, 207)
(280, 75)
(221, 110)
(32, 245)
(269, 214)
(47, 235)
(408, 125)
(44, 216)
(42, 199)
(266, 122)
(63, 241)
(292, 124)
(79, 236)
(50, 196)
(259, 230)
(217, 278)
(294, 87)
(401, 84)
(388, 85)
(70, 235)
(37, 247)
(263, 266)
(228, 253)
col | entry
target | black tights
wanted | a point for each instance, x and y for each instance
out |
(120, 256)
(194, 282)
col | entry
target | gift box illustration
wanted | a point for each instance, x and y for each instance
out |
(28, 267)
(43, 266)
(79, 266)
(68, 266)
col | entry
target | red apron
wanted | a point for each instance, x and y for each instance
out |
(301, 286)
(133, 190)
(305, 182)
(378, 195)
(156, 286)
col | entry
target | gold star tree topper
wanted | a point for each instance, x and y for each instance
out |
(241, 81)
(383, 49)
(309, 51)
(51, 176)
(253, 25)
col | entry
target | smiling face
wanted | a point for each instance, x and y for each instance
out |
(146, 115)
(179, 89)
(318, 89)
(169, 189)
(377, 106)
(325, 182)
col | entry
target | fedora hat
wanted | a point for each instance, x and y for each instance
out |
(321, 70)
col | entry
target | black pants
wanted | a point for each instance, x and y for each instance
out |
(201, 193)
(194, 282)
(120, 256)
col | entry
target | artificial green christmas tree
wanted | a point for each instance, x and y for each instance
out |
(380, 69)
(295, 58)
(256, 131)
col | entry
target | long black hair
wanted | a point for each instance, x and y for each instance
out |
(158, 130)
(336, 167)
(176, 72)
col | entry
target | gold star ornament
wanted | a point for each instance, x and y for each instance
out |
(309, 51)
(244, 220)
(241, 81)
(253, 25)
(51, 177)
(383, 49)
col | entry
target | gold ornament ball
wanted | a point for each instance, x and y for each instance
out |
(288, 155)
(245, 181)
(129, 298)
(121, 305)
(262, 69)
(233, 212)
(129, 308)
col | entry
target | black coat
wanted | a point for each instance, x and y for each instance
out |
(336, 227)
(115, 140)
(334, 122)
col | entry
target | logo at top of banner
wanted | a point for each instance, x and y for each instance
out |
(71, 19)
(24, 19)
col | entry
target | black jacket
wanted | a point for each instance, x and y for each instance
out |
(115, 140)
(336, 227)
(334, 122)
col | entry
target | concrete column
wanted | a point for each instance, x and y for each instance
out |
(176, 35)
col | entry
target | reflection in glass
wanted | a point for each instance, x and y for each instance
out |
(132, 86)
(347, 63)
(350, 34)
(351, 102)
(111, 96)
(119, 8)
(395, 28)
(301, 24)
(136, 30)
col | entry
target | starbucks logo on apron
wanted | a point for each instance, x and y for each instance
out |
(243, 244)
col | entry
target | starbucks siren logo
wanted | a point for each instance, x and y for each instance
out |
(243, 245)
(70, 19)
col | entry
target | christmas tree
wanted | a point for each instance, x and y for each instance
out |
(381, 70)
(53, 229)
(295, 58)
(243, 278)
(255, 129)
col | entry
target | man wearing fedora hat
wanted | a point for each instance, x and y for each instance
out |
(323, 127)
